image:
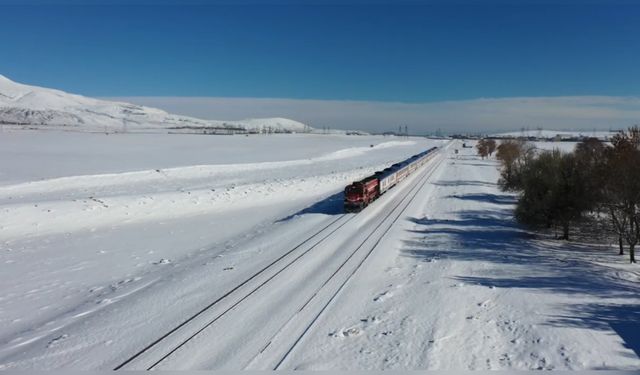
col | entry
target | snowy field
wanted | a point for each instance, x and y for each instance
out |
(562, 146)
(89, 219)
(232, 252)
(458, 285)
(31, 155)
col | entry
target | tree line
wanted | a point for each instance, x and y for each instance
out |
(561, 189)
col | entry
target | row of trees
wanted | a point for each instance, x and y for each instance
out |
(559, 189)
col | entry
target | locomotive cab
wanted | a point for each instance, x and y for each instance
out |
(354, 197)
(354, 191)
(360, 193)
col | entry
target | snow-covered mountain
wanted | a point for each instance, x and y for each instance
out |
(42, 107)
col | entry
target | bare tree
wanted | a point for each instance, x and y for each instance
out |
(553, 192)
(514, 155)
(622, 187)
(491, 146)
(483, 149)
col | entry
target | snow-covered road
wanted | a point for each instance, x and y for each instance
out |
(254, 265)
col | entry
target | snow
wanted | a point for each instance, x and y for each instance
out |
(460, 286)
(32, 155)
(99, 259)
(31, 106)
(74, 244)
(550, 146)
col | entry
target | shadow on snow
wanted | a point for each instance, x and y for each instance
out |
(464, 182)
(480, 165)
(332, 205)
(489, 198)
(623, 319)
(549, 266)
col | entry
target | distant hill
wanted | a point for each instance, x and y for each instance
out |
(38, 107)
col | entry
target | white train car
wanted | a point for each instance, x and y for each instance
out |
(396, 173)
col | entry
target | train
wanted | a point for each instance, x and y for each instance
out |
(360, 194)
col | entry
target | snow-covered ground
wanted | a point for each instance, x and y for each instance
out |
(562, 146)
(458, 285)
(191, 205)
(32, 155)
(102, 258)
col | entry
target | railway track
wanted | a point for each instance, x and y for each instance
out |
(180, 337)
(260, 278)
(376, 237)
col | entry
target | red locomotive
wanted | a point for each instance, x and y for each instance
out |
(359, 194)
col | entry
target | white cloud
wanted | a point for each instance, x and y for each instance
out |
(478, 115)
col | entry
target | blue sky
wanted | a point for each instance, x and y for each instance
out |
(383, 51)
